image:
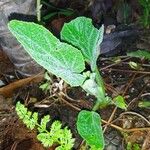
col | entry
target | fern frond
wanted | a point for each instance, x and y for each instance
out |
(44, 121)
(29, 119)
(62, 137)
(66, 140)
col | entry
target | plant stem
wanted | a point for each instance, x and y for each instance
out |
(97, 105)
(99, 80)
(100, 83)
(38, 9)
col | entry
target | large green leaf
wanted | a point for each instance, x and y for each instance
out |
(81, 33)
(59, 58)
(89, 127)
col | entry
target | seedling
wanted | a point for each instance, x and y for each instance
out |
(55, 135)
(46, 87)
(80, 44)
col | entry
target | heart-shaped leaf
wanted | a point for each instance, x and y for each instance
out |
(89, 127)
(81, 33)
(59, 58)
(119, 101)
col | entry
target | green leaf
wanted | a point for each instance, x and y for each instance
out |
(90, 86)
(140, 54)
(56, 128)
(43, 123)
(120, 102)
(45, 139)
(47, 77)
(81, 33)
(63, 137)
(144, 104)
(21, 110)
(49, 16)
(66, 140)
(66, 12)
(30, 120)
(89, 127)
(94, 148)
(45, 86)
(61, 59)
(33, 121)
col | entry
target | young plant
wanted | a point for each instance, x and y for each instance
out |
(145, 18)
(80, 44)
(55, 135)
(46, 86)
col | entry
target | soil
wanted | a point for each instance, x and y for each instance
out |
(121, 127)
(134, 84)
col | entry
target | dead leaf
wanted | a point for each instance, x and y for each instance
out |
(8, 90)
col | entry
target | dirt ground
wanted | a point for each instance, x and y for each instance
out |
(125, 126)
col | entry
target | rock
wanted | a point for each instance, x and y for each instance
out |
(117, 41)
(23, 63)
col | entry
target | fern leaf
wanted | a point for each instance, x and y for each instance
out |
(43, 123)
(62, 137)
(45, 139)
(21, 110)
(28, 119)
(66, 141)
